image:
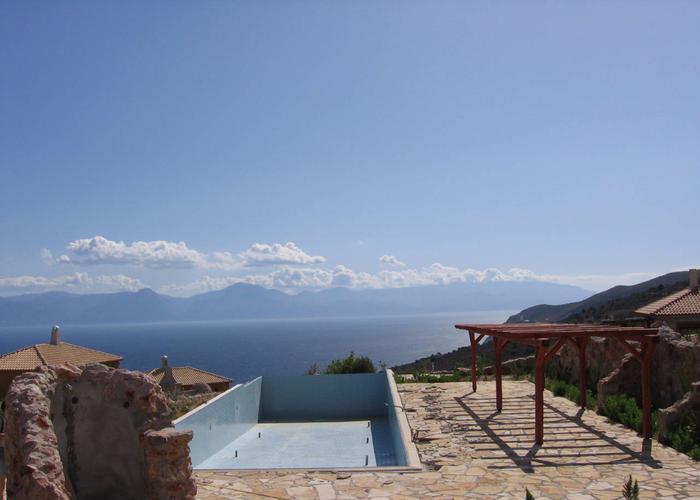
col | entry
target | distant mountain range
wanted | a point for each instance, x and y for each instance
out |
(244, 301)
(617, 303)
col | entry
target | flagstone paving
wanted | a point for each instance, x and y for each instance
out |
(468, 450)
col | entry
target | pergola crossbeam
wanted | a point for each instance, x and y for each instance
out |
(539, 334)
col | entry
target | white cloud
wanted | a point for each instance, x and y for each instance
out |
(263, 254)
(76, 282)
(157, 254)
(391, 260)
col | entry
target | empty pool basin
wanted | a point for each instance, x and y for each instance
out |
(304, 422)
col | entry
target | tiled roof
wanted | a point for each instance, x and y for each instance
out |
(683, 303)
(50, 354)
(186, 375)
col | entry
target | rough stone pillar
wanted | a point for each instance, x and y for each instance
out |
(167, 463)
(34, 468)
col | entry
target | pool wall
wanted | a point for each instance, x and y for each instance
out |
(301, 398)
(222, 419)
(323, 397)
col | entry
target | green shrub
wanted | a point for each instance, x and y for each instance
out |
(631, 490)
(351, 364)
(684, 438)
(623, 409)
(528, 495)
(569, 391)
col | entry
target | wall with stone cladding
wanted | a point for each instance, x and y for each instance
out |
(89, 433)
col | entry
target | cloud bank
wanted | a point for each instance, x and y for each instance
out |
(292, 279)
(77, 282)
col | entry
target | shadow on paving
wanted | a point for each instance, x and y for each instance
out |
(568, 441)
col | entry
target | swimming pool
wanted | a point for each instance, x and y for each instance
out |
(307, 422)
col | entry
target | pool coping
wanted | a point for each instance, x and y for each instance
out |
(413, 463)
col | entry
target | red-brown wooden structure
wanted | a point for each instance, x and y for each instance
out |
(542, 336)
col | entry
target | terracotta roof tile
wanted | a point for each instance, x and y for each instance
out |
(683, 303)
(50, 354)
(187, 375)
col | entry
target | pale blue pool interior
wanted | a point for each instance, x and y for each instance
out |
(325, 421)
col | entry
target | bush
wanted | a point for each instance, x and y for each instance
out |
(569, 391)
(429, 378)
(685, 438)
(623, 409)
(351, 364)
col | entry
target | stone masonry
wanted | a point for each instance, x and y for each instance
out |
(93, 432)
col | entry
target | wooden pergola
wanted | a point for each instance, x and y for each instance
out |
(542, 337)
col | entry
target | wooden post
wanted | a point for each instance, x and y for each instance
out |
(539, 393)
(647, 351)
(499, 387)
(473, 342)
(582, 344)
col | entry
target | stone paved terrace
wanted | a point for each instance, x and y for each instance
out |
(470, 451)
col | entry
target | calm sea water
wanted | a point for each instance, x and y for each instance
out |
(246, 349)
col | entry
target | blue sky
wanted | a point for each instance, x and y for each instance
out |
(456, 138)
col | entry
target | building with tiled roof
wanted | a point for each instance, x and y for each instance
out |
(186, 378)
(680, 310)
(53, 353)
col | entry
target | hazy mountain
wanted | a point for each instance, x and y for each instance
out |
(616, 303)
(251, 301)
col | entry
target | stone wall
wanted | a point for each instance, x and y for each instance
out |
(683, 411)
(675, 366)
(93, 432)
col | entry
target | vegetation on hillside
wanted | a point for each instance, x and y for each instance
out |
(619, 309)
(617, 303)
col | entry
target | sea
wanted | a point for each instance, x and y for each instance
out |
(245, 349)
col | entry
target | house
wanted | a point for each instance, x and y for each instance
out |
(55, 352)
(187, 378)
(680, 310)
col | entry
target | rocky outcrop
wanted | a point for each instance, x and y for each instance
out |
(683, 411)
(675, 366)
(93, 432)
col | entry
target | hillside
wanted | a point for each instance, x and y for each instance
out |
(616, 303)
